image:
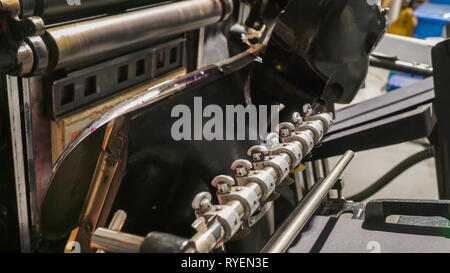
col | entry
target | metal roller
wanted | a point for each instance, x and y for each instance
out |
(60, 9)
(86, 41)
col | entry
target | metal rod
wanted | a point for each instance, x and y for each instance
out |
(118, 220)
(112, 35)
(317, 171)
(325, 167)
(57, 10)
(116, 224)
(400, 66)
(205, 242)
(290, 229)
(300, 185)
(307, 176)
(18, 153)
(116, 242)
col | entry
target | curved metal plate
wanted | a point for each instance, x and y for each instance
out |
(69, 187)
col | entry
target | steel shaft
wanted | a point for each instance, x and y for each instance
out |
(281, 241)
(116, 241)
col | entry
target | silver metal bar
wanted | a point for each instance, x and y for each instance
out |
(206, 241)
(300, 187)
(115, 241)
(326, 166)
(290, 229)
(85, 41)
(307, 176)
(317, 170)
(18, 161)
(326, 170)
(116, 224)
(201, 47)
(118, 220)
(29, 147)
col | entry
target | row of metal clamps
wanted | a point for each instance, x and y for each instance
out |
(246, 199)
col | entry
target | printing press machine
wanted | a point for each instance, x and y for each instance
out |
(89, 163)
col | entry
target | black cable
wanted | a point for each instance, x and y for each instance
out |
(392, 174)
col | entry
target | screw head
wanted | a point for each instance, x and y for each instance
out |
(307, 110)
(198, 223)
(272, 140)
(223, 183)
(241, 167)
(258, 153)
(297, 118)
(285, 129)
(202, 201)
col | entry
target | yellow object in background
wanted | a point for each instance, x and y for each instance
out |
(386, 3)
(405, 24)
(72, 245)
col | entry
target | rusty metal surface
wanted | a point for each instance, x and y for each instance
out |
(106, 181)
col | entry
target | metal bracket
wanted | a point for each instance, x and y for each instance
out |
(91, 85)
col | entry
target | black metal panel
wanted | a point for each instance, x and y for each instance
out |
(392, 103)
(421, 217)
(91, 85)
(393, 118)
(57, 216)
(342, 235)
(379, 210)
(441, 65)
(389, 131)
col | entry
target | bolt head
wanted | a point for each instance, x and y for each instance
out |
(223, 183)
(285, 129)
(307, 109)
(223, 188)
(297, 118)
(257, 153)
(272, 140)
(241, 167)
(199, 223)
(201, 201)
